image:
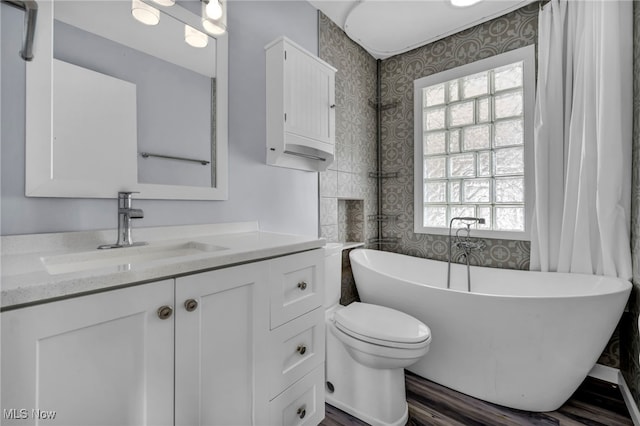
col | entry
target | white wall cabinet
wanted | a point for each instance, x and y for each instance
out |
(194, 350)
(300, 107)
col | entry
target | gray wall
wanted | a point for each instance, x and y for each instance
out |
(282, 200)
(347, 194)
(514, 30)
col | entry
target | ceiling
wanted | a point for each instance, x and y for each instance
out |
(389, 27)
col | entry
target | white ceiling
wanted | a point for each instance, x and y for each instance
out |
(389, 27)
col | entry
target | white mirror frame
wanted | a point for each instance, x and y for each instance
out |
(39, 180)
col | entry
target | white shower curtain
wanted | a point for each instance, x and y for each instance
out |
(582, 138)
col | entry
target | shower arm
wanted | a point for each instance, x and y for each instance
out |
(30, 8)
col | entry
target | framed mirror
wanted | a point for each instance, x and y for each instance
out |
(116, 105)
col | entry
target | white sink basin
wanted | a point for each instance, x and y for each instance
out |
(123, 257)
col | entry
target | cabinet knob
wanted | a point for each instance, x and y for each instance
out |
(302, 285)
(301, 349)
(190, 305)
(302, 411)
(164, 312)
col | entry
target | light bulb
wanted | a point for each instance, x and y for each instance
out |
(464, 3)
(214, 27)
(213, 9)
(194, 37)
(165, 2)
(144, 13)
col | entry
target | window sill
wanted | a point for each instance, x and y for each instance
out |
(477, 233)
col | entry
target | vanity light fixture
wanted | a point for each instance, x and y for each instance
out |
(166, 3)
(144, 13)
(194, 37)
(213, 9)
(214, 26)
(464, 3)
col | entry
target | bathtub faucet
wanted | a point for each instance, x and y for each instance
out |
(468, 220)
(466, 244)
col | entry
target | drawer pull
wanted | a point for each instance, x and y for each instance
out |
(190, 305)
(302, 285)
(302, 411)
(164, 312)
(301, 349)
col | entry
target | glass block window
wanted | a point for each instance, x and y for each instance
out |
(473, 147)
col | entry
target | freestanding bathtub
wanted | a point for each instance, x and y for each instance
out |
(520, 339)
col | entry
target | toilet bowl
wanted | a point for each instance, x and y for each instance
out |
(368, 347)
(380, 337)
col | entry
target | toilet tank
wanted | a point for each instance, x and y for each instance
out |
(333, 273)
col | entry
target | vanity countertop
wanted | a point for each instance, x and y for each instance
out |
(40, 267)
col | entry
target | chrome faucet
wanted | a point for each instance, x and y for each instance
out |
(125, 214)
(466, 244)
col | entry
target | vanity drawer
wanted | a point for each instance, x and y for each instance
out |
(297, 347)
(302, 403)
(297, 285)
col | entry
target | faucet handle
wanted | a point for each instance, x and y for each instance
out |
(127, 194)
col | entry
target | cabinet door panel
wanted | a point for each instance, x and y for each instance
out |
(309, 115)
(301, 404)
(215, 356)
(100, 359)
(288, 361)
(297, 285)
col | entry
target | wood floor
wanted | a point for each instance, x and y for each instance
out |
(595, 403)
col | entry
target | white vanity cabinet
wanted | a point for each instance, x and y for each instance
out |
(220, 319)
(300, 107)
(104, 359)
(296, 340)
(241, 345)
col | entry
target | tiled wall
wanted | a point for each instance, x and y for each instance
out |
(347, 178)
(349, 292)
(630, 343)
(351, 220)
(509, 32)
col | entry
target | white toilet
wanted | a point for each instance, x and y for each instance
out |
(368, 347)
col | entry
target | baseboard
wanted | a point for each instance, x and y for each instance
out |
(613, 375)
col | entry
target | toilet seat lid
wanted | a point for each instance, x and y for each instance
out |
(381, 323)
